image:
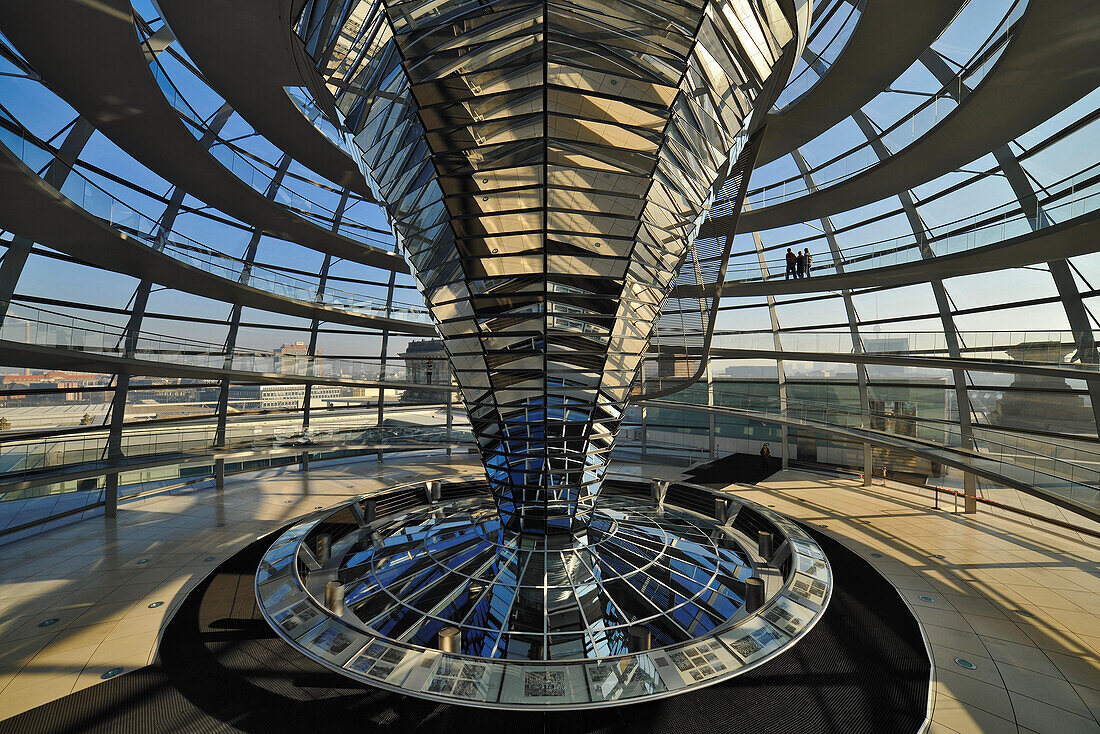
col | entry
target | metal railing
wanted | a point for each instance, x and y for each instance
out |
(1068, 199)
(257, 173)
(1071, 472)
(43, 328)
(1067, 471)
(154, 456)
(898, 136)
(120, 215)
(806, 78)
(1024, 347)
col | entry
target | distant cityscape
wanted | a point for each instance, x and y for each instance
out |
(32, 399)
(45, 399)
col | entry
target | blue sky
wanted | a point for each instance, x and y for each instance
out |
(44, 114)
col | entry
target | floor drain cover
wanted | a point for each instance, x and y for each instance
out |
(963, 663)
(143, 560)
(156, 604)
(876, 555)
(111, 673)
(48, 622)
(922, 597)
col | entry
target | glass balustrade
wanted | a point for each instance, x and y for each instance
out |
(1068, 472)
(120, 215)
(307, 105)
(899, 135)
(33, 326)
(1026, 347)
(43, 328)
(86, 450)
(1067, 200)
(809, 75)
(260, 175)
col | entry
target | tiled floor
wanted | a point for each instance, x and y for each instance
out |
(81, 600)
(1019, 600)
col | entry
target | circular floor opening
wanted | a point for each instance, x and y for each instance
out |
(439, 601)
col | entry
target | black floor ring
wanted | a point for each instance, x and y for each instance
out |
(221, 669)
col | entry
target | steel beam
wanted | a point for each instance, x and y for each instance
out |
(853, 319)
(118, 403)
(19, 249)
(322, 280)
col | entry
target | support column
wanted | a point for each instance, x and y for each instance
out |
(450, 422)
(784, 431)
(114, 444)
(385, 350)
(712, 449)
(970, 492)
(311, 351)
(784, 439)
(943, 301)
(1074, 306)
(248, 260)
(118, 402)
(934, 63)
(645, 427)
(133, 327)
(853, 320)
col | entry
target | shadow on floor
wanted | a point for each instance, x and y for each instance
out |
(735, 468)
(863, 668)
